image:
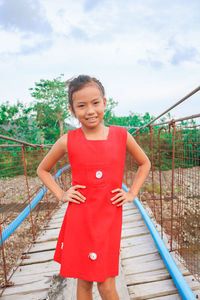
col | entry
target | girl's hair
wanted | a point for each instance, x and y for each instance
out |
(79, 82)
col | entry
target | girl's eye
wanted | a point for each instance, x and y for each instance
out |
(81, 105)
(96, 102)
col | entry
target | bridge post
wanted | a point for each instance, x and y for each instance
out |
(152, 167)
(27, 185)
(172, 192)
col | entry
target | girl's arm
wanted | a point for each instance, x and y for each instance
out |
(49, 161)
(144, 166)
(44, 168)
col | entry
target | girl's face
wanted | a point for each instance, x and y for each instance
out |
(88, 105)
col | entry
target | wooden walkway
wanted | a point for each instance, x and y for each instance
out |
(142, 275)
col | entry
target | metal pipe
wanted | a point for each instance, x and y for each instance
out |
(171, 107)
(21, 142)
(152, 168)
(178, 120)
(3, 256)
(160, 180)
(182, 286)
(172, 191)
(20, 218)
(28, 191)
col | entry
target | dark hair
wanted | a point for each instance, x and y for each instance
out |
(79, 82)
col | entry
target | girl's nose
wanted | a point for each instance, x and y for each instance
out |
(90, 109)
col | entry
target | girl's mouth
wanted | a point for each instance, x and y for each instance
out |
(92, 119)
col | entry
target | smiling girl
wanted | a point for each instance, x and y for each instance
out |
(88, 245)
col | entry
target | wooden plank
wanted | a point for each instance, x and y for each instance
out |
(155, 289)
(31, 278)
(130, 212)
(34, 295)
(54, 222)
(149, 276)
(121, 284)
(140, 266)
(170, 297)
(133, 224)
(128, 219)
(55, 226)
(135, 231)
(143, 258)
(25, 270)
(38, 257)
(45, 246)
(48, 235)
(40, 285)
(129, 205)
(131, 241)
(139, 250)
(59, 218)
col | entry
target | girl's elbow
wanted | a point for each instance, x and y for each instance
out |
(148, 164)
(38, 171)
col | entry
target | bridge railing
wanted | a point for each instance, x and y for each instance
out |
(172, 190)
(19, 185)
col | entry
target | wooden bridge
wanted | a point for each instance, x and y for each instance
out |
(143, 274)
(172, 146)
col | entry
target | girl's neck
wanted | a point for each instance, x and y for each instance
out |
(97, 133)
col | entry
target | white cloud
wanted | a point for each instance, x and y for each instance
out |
(146, 53)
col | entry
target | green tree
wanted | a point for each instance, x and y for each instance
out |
(7, 112)
(52, 105)
(18, 121)
(109, 114)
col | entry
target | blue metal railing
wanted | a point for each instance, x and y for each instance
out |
(181, 284)
(21, 217)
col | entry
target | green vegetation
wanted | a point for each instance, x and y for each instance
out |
(46, 119)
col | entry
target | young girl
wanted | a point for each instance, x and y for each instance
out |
(88, 245)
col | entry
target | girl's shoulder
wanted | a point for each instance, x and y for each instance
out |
(119, 130)
(70, 133)
(119, 134)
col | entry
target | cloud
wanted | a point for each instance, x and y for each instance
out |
(26, 16)
(37, 48)
(155, 64)
(22, 44)
(182, 52)
(184, 55)
(128, 45)
(91, 4)
(78, 34)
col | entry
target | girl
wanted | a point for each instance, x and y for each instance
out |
(88, 245)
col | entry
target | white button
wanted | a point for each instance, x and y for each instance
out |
(93, 255)
(99, 174)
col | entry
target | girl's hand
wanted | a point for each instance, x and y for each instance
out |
(71, 195)
(122, 197)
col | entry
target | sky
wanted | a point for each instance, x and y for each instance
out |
(146, 53)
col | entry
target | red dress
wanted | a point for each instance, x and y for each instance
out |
(88, 245)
